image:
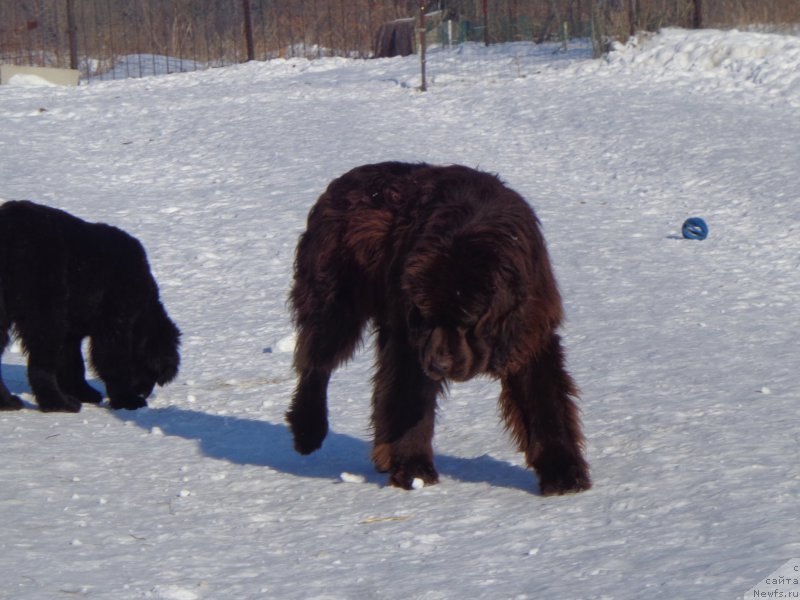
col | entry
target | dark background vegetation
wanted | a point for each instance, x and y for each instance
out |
(94, 35)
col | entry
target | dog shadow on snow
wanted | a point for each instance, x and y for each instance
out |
(16, 379)
(262, 443)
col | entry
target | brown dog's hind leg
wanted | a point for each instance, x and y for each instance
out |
(538, 407)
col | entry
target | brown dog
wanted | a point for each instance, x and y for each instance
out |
(450, 266)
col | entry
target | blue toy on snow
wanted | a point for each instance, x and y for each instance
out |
(695, 228)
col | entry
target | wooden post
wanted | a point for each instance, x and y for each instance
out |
(485, 22)
(72, 36)
(248, 30)
(422, 46)
(632, 17)
(697, 21)
(595, 30)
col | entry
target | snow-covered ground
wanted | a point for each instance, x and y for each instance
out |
(686, 351)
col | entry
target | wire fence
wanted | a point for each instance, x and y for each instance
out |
(110, 39)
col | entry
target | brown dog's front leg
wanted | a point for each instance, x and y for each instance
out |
(404, 412)
(308, 413)
(538, 407)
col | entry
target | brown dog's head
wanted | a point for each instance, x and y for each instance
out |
(457, 293)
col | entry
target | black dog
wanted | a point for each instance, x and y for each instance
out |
(63, 279)
(450, 266)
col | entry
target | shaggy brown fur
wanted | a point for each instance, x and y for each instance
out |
(450, 266)
(63, 279)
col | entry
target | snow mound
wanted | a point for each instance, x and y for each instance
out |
(727, 57)
(352, 478)
(287, 343)
(172, 592)
(23, 79)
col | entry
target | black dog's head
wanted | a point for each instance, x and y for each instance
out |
(155, 357)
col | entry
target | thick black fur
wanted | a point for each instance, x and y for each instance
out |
(451, 268)
(62, 280)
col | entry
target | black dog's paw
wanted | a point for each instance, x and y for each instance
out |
(408, 473)
(80, 392)
(10, 402)
(308, 431)
(58, 403)
(127, 402)
(89, 395)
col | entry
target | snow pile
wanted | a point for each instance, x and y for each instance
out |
(28, 80)
(723, 58)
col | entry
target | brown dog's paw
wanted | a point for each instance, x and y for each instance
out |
(565, 480)
(409, 473)
(309, 430)
(307, 442)
(382, 457)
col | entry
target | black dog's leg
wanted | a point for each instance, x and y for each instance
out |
(43, 335)
(537, 404)
(404, 412)
(111, 357)
(42, 366)
(8, 401)
(71, 374)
